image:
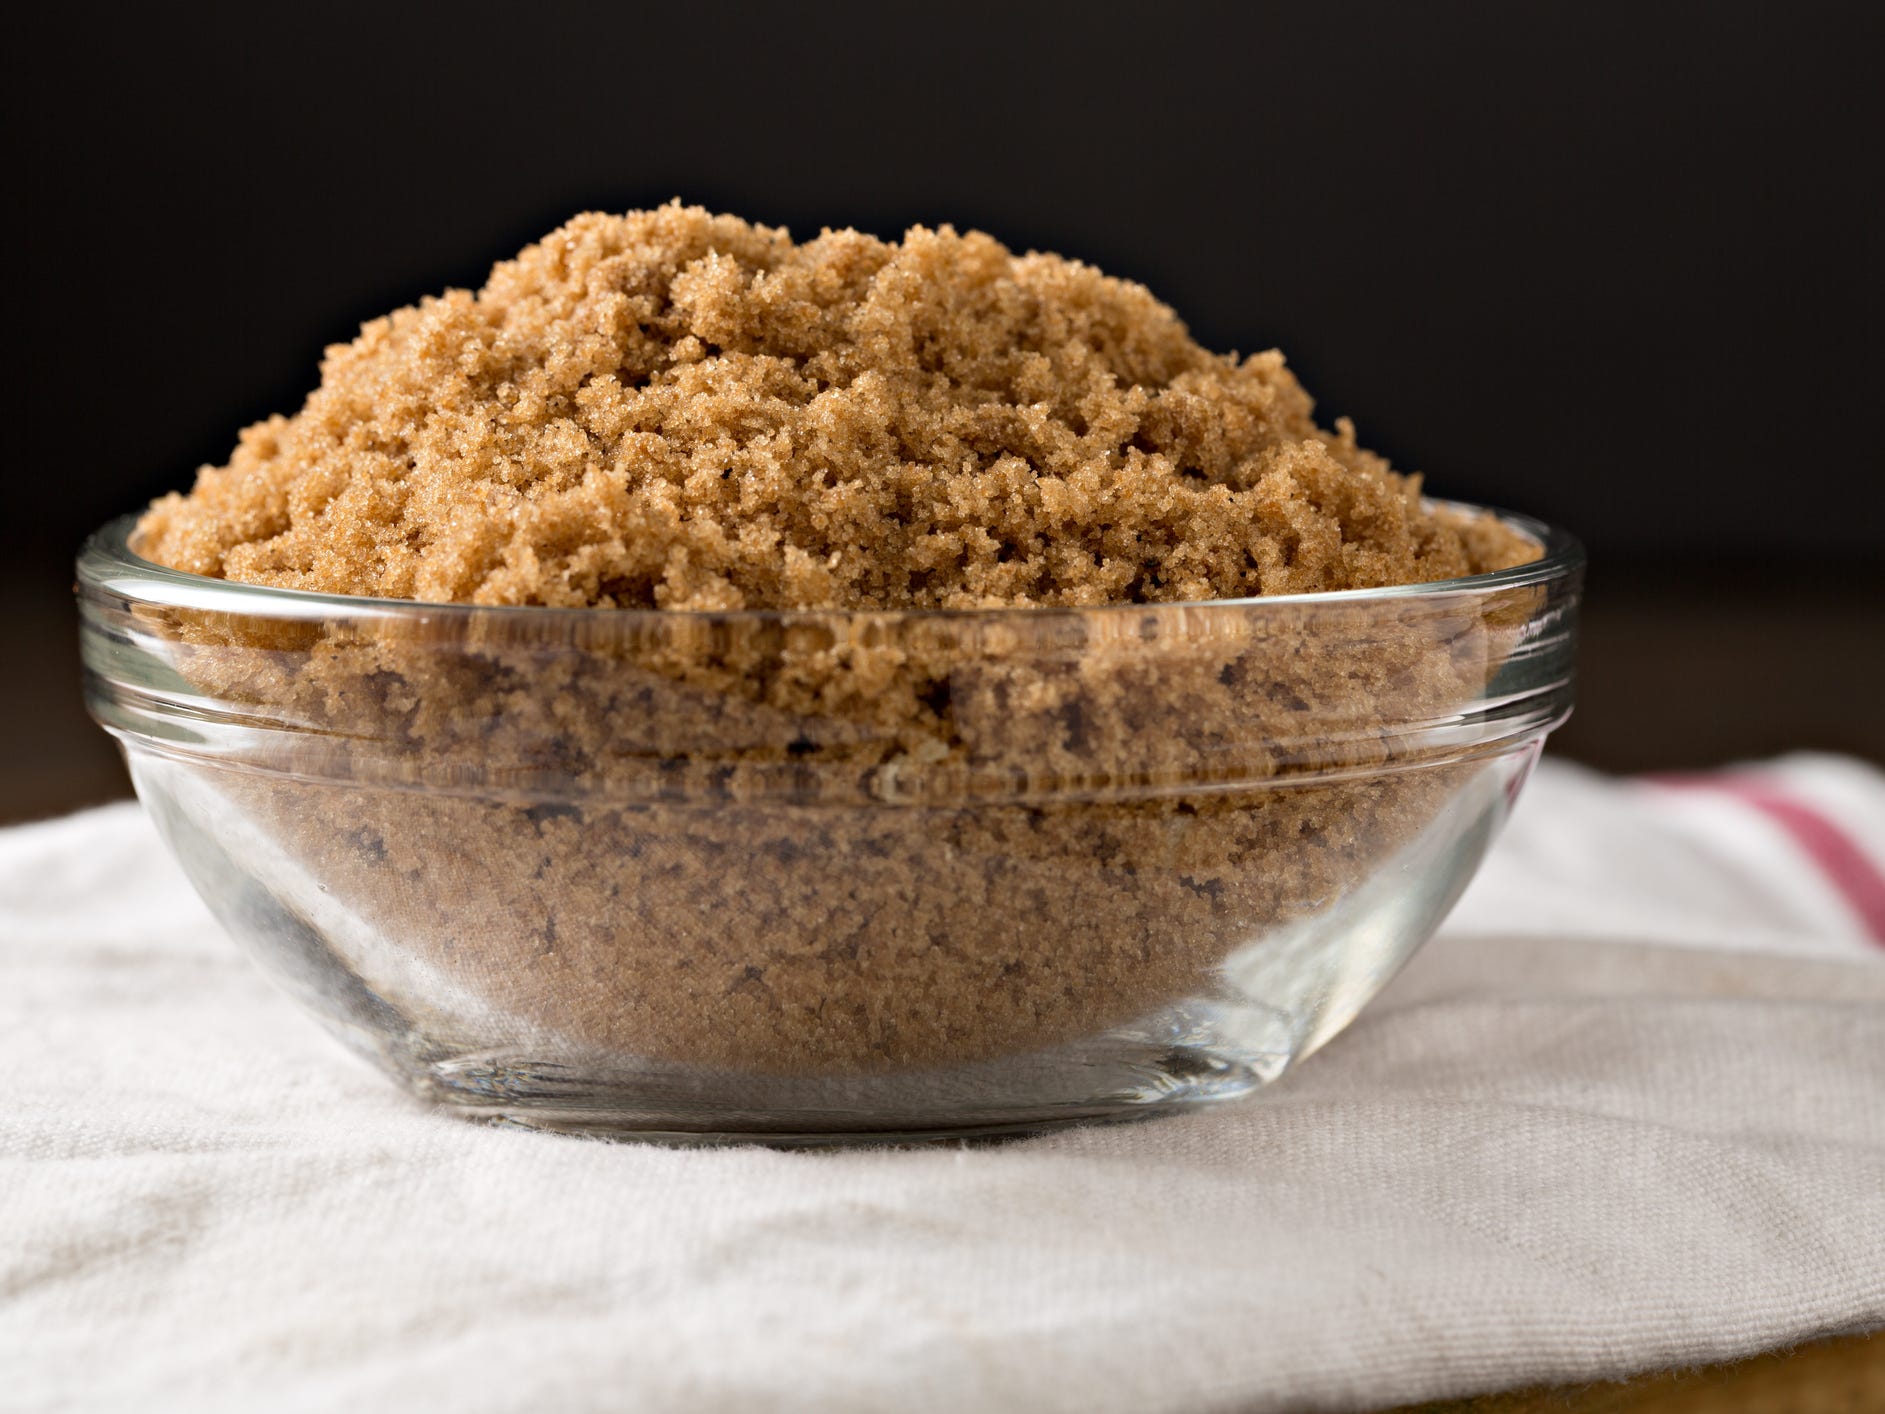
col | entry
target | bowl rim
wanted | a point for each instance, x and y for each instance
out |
(107, 561)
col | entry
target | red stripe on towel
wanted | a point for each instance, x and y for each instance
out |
(1844, 864)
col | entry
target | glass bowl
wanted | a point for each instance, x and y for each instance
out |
(827, 876)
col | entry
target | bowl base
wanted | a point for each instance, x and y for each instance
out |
(651, 1108)
(591, 1127)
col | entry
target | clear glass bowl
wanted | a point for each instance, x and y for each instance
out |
(829, 876)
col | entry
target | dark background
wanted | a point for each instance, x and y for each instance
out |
(1617, 266)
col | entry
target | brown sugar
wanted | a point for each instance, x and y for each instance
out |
(681, 410)
(821, 841)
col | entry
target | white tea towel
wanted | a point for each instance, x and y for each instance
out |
(1627, 1112)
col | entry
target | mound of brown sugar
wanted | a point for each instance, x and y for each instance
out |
(676, 409)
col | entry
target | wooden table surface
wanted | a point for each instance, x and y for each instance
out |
(1844, 1375)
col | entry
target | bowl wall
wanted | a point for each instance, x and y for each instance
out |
(807, 876)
